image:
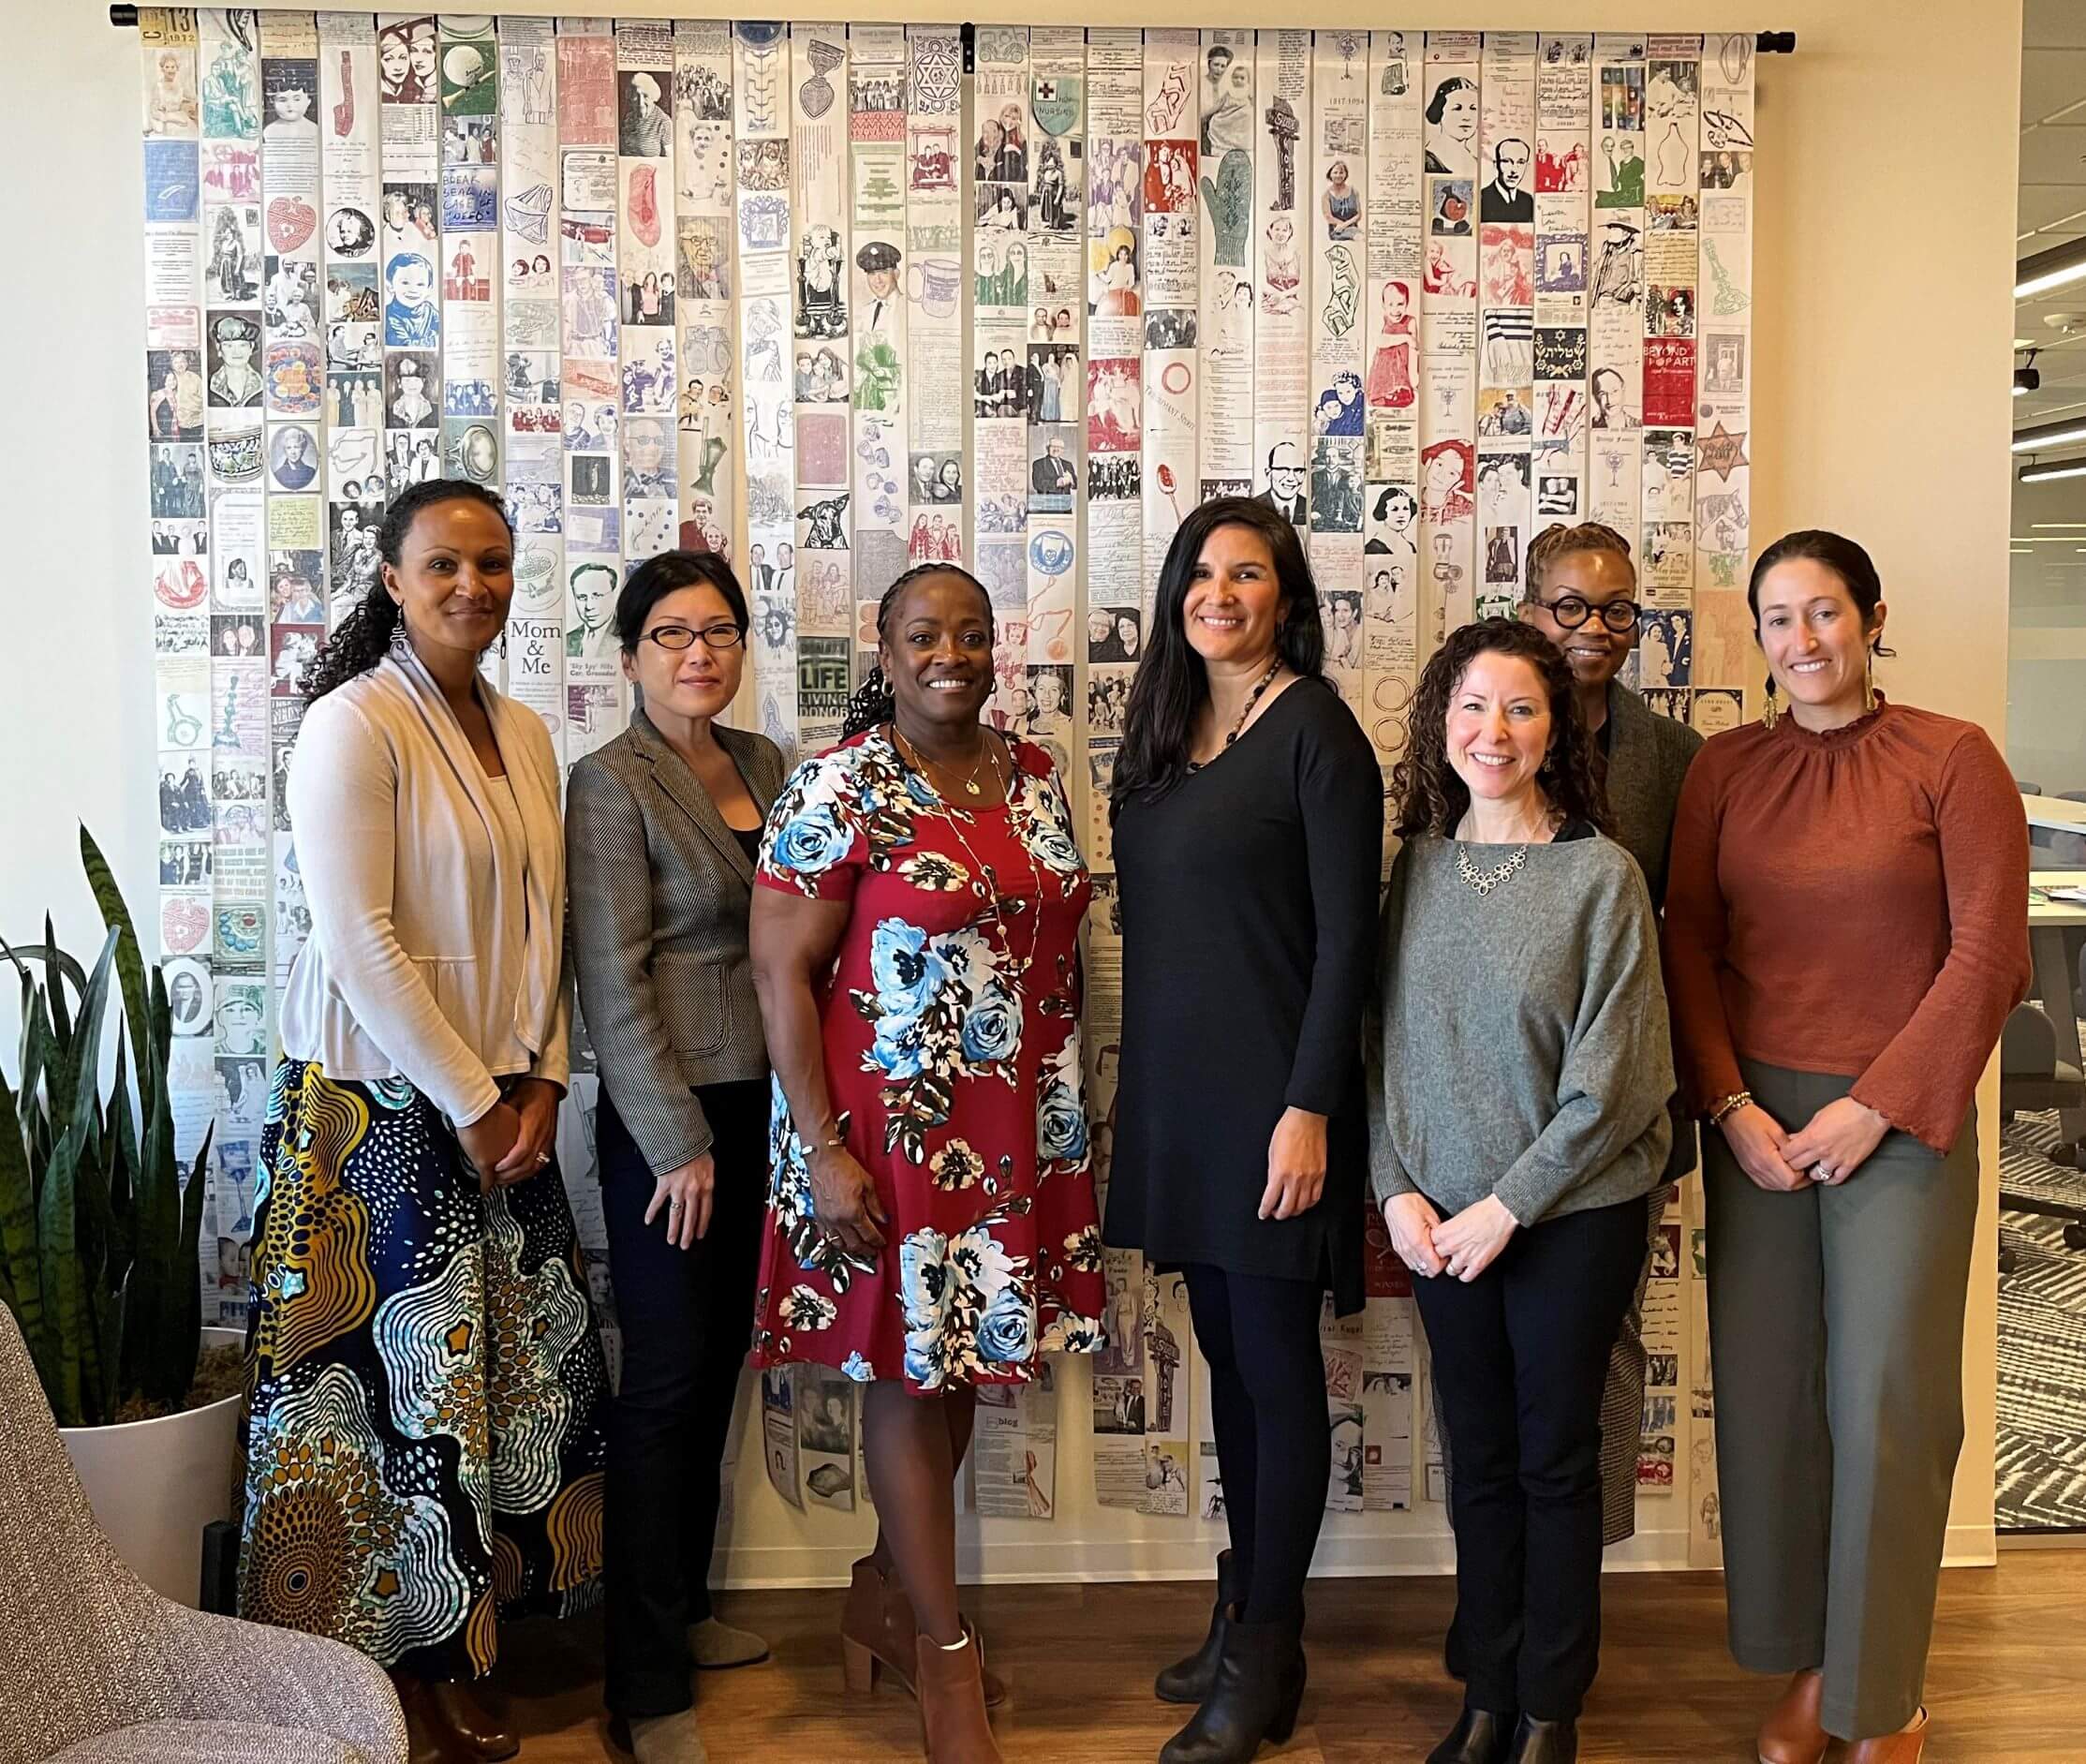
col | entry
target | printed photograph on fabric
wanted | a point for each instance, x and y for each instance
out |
(174, 395)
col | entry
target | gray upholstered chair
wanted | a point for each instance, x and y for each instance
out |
(98, 1668)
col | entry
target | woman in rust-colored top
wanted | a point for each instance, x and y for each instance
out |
(1845, 931)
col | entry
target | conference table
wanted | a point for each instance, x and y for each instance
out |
(2054, 928)
(2055, 814)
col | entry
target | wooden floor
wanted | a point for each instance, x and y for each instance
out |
(2006, 1680)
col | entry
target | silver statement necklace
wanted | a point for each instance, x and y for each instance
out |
(1485, 881)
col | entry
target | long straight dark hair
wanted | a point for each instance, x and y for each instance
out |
(1172, 681)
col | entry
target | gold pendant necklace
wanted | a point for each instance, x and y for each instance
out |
(927, 768)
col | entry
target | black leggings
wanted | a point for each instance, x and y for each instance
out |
(1267, 1409)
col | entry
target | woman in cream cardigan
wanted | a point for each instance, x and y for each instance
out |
(423, 1456)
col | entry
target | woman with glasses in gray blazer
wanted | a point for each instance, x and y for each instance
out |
(662, 826)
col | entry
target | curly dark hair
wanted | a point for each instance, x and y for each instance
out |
(363, 638)
(1425, 794)
(873, 702)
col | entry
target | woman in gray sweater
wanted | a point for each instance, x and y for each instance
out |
(1518, 1072)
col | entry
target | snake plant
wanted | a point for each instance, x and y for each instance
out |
(97, 1227)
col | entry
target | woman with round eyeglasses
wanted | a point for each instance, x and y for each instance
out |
(1582, 596)
(662, 828)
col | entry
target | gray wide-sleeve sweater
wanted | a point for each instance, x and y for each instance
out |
(1519, 1044)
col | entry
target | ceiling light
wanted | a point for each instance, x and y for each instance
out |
(2043, 474)
(2054, 268)
(2049, 435)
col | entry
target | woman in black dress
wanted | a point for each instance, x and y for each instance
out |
(1249, 819)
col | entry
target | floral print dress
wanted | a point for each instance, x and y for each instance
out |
(951, 1028)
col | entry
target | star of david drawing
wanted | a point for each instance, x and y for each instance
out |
(1721, 452)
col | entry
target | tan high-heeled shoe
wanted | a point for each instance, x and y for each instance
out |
(1792, 1733)
(878, 1634)
(1902, 1748)
(953, 1724)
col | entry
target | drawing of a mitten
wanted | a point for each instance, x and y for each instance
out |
(1228, 198)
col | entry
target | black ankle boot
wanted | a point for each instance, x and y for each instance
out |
(1259, 1685)
(1479, 1737)
(1544, 1741)
(1189, 1681)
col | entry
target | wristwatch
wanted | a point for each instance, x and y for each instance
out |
(1730, 1104)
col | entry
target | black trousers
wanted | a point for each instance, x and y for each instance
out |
(686, 1317)
(1521, 1354)
(1267, 1410)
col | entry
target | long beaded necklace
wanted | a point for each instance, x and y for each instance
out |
(957, 819)
(1239, 728)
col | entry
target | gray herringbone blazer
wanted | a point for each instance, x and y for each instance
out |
(660, 893)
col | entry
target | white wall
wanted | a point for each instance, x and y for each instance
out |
(1882, 324)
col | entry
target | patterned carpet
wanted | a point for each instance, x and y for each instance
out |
(2042, 1343)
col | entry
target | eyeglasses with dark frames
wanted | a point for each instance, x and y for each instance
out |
(718, 636)
(1572, 612)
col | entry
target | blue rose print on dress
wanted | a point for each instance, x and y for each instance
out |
(812, 842)
(1061, 1108)
(901, 1047)
(908, 971)
(991, 1026)
(1007, 1331)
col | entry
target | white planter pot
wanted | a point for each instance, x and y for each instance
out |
(154, 1484)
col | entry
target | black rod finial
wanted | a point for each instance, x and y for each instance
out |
(1775, 43)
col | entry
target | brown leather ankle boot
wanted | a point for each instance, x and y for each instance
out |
(1791, 1733)
(953, 1724)
(1902, 1748)
(878, 1631)
(447, 1719)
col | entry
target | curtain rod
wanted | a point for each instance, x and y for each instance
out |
(1765, 42)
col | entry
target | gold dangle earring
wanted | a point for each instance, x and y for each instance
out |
(1868, 681)
(1770, 710)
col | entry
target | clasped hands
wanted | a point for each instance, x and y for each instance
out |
(1826, 1150)
(1463, 1246)
(512, 1140)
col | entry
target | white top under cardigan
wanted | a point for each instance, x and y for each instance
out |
(406, 972)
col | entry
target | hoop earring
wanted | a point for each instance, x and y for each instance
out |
(1769, 712)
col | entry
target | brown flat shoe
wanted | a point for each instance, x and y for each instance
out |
(878, 1634)
(1792, 1733)
(1902, 1748)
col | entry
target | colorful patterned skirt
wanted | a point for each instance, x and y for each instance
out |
(425, 1385)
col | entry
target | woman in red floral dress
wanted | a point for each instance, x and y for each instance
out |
(931, 1211)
